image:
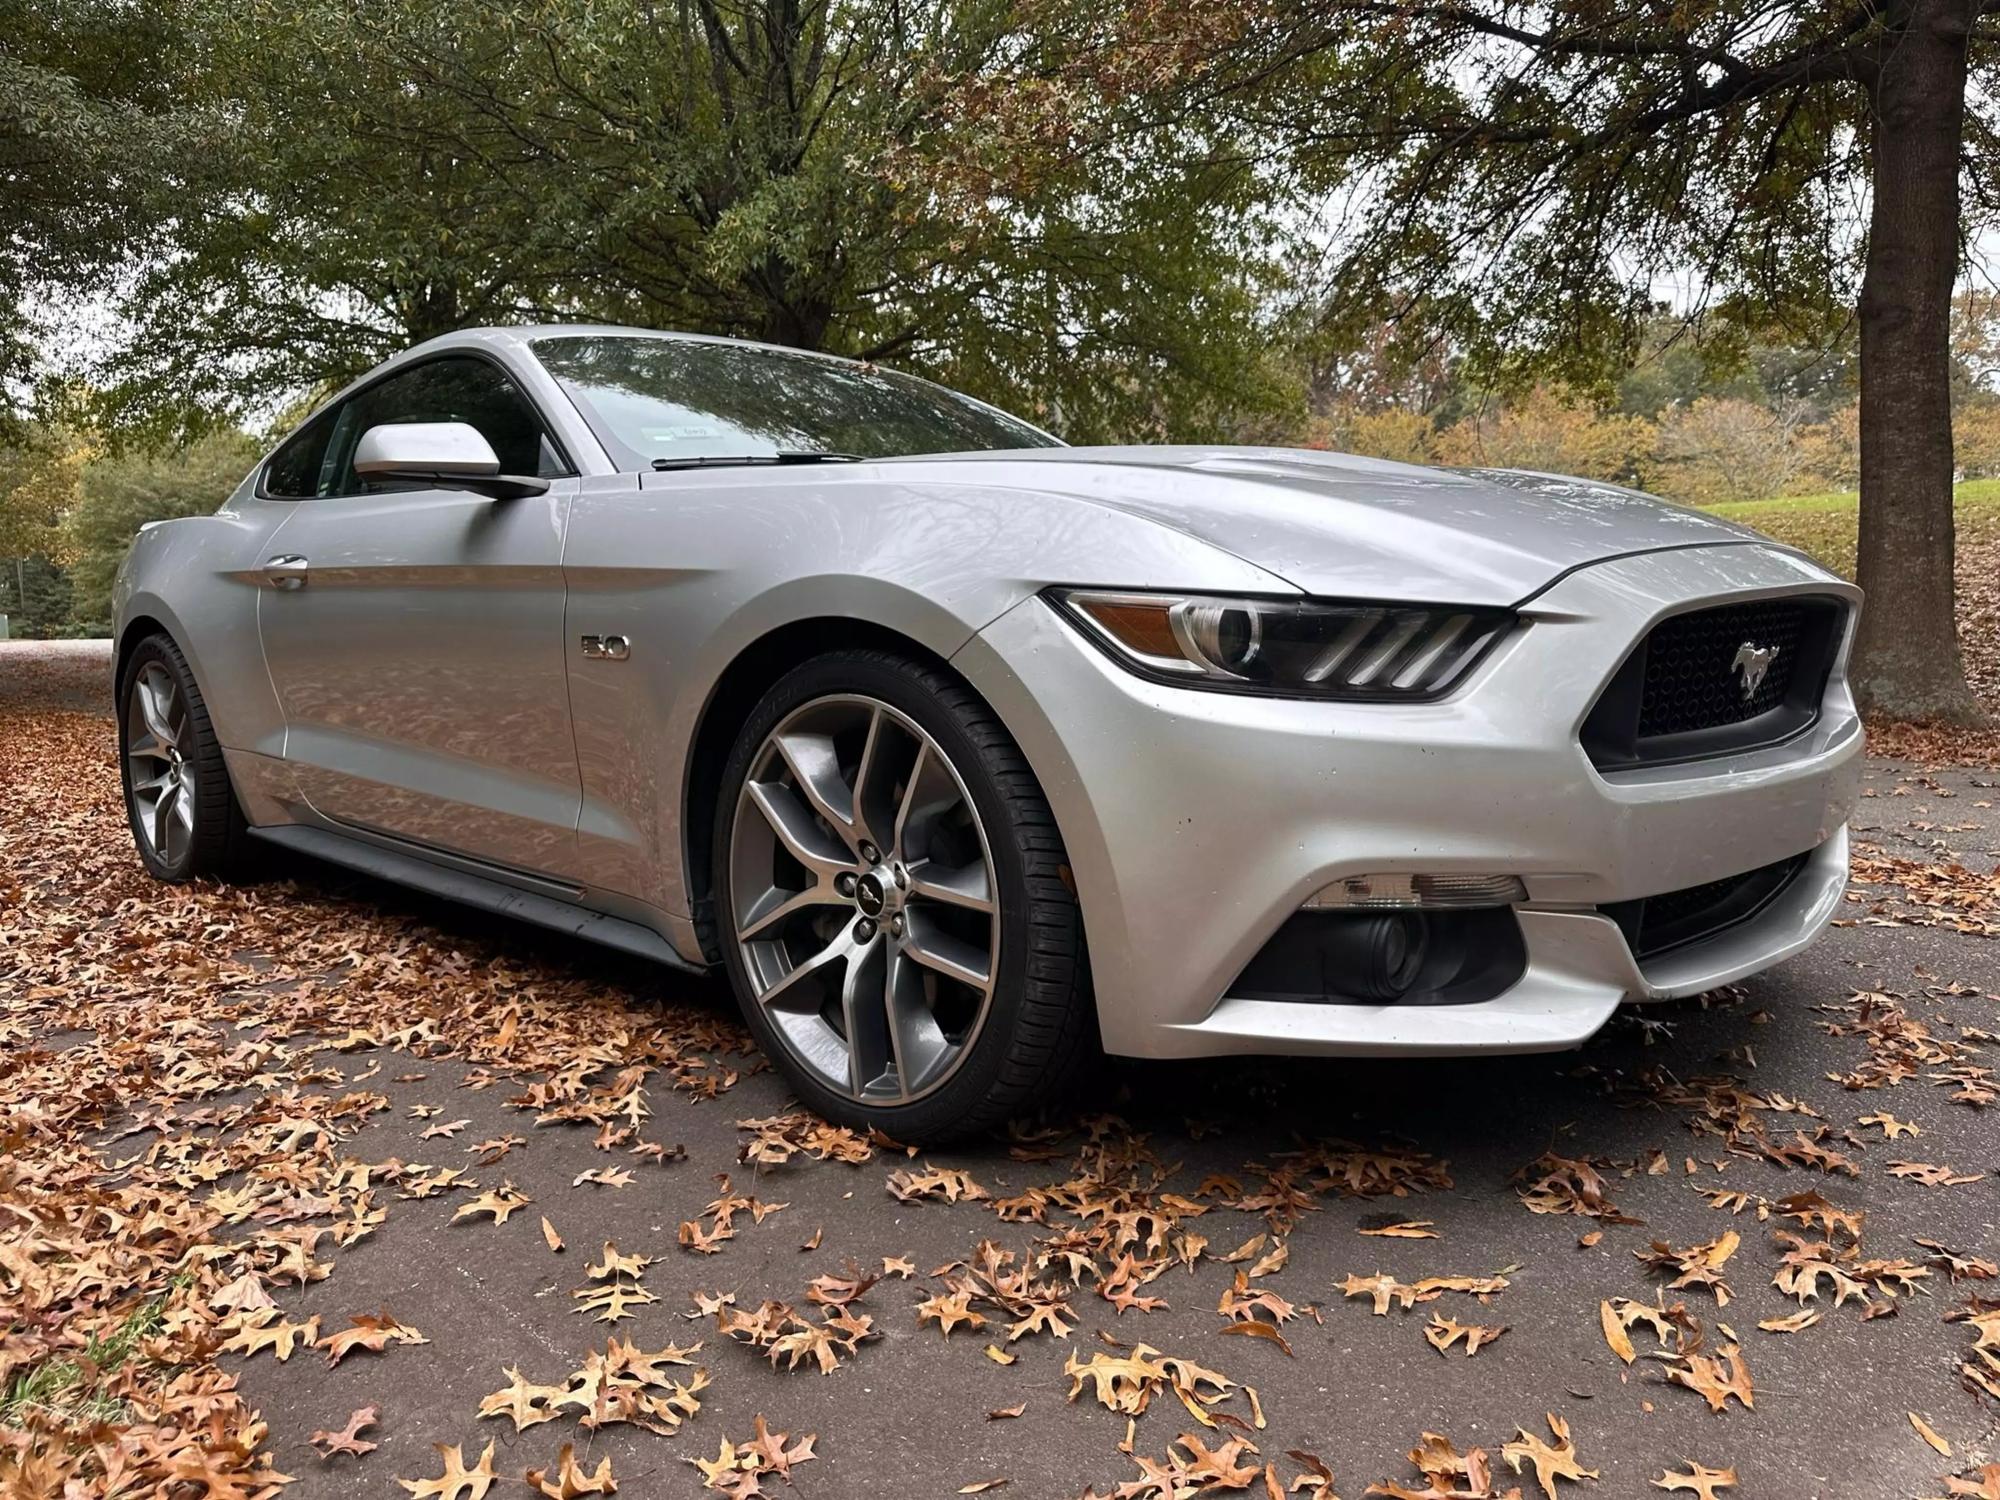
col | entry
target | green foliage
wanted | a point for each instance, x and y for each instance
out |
(35, 597)
(41, 478)
(90, 131)
(122, 492)
(772, 170)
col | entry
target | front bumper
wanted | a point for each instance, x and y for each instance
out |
(1197, 823)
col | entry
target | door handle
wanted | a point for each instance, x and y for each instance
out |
(287, 572)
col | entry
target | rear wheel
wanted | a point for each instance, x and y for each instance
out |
(892, 903)
(183, 811)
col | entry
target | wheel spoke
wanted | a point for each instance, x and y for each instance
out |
(816, 768)
(920, 1046)
(184, 807)
(864, 773)
(153, 787)
(796, 830)
(163, 812)
(952, 957)
(965, 887)
(146, 748)
(777, 904)
(864, 1014)
(790, 991)
(909, 801)
(155, 696)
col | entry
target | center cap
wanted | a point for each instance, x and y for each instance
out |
(869, 895)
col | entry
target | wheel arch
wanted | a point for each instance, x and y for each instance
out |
(135, 630)
(741, 684)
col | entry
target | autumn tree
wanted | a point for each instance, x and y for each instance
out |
(1527, 181)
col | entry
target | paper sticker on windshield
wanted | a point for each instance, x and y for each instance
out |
(682, 434)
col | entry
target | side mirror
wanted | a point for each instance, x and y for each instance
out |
(451, 455)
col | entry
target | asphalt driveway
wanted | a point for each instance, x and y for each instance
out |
(235, 1060)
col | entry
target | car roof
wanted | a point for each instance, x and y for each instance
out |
(520, 335)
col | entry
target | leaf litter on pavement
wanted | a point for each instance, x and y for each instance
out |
(194, 1074)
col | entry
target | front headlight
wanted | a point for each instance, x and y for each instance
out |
(1291, 648)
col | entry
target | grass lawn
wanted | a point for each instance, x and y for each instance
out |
(1823, 525)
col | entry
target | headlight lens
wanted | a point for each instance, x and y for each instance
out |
(1377, 652)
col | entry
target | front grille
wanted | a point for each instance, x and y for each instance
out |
(1692, 681)
(1653, 924)
(1682, 695)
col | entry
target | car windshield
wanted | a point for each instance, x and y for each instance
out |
(666, 402)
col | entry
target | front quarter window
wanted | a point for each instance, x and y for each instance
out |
(297, 471)
(668, 400)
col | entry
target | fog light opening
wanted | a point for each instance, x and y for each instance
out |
(1378, 958)
(1402, 892)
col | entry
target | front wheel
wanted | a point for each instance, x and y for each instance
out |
(893, 903)
(183, 811)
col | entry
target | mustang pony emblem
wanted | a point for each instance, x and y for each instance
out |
(1753, 661)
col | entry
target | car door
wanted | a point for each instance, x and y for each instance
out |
(415, 634)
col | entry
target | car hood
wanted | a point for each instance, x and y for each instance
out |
(1336, 525)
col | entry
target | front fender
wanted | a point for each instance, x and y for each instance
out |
(197, 579)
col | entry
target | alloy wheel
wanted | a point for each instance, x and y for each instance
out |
(157, 738)
(865, 903)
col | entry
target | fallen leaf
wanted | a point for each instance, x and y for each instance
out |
(1550, 1461)
(347, 1439)
(1699, 1480)
(1255, 1329)
(373, 1332)
(1442, 1332)
(569, 1480)
(457, 1482)
(1412, 1229)
(1929, 1434)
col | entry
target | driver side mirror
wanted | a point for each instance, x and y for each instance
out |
(448, 455)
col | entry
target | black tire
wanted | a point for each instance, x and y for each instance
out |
(1040, 1028)
(219, 844)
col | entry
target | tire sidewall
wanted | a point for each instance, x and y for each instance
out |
(979, 1073)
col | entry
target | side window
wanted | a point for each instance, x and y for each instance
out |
(444, 390)
(297, 471)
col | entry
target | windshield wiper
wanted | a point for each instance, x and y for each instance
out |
(737, 460)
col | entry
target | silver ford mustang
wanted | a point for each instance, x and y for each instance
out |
(964, 752)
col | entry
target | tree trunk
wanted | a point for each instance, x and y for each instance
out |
(1906, 660)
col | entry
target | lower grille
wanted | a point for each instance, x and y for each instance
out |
(1718, 680)
(1654, 924)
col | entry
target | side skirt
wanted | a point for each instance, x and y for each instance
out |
(469, 889)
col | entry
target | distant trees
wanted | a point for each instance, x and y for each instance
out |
(1522, 181)
(120, 492)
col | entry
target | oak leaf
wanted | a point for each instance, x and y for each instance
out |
(499, 1204)
(371, 1331)
(457, 1482)
(1699, 1480)
(1442, 1332)
(348, 1439)
(1550, 1461)
(569, 1480)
